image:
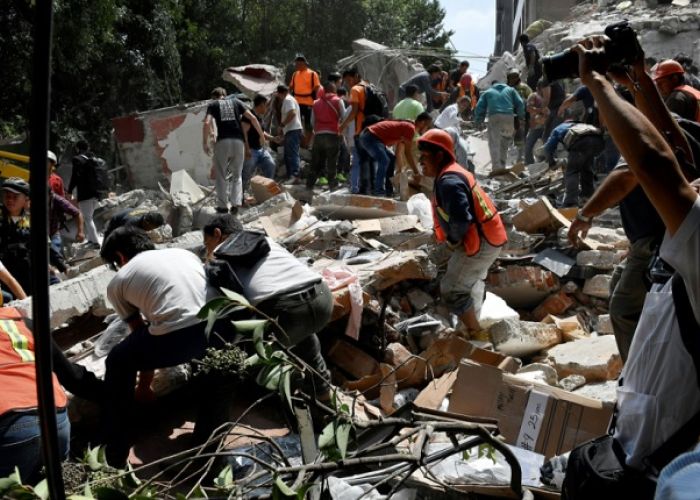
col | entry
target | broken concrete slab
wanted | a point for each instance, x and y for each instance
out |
(522, 286)
(604, 325)
(556, 304)
(572, 382)
(343, 205)
(263, 188)
(523, 338)
(419, 299)
(571, 327)
(602, 391)
(600, 259)
(254, 79)
(598, 286)
(538, 372)
(392, 268)
(181, 182)
(539, 216)
(495, 309)
(595, 358)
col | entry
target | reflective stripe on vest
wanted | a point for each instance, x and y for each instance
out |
(696, 94)
(19, 342)
(487, 222)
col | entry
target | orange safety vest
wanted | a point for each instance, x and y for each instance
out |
(487, 223)
(303, 87)
(17, 370)
(696, 94)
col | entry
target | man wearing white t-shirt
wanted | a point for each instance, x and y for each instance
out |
(292, 128)
(158, 293)
(659, 393)
(451, 115)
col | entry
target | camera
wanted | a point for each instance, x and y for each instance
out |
(622, 49)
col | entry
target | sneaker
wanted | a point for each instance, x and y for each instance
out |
(322, 181)
(341, 177)
(293, 181)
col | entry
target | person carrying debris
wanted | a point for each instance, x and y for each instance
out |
(500, 103)
(326, 115)
(229, 150)
(282, 287)
(159, 294)
(682, 99)
(467, 221)
(258, 156)
(583, 143)
(378, 138)
(659, 394)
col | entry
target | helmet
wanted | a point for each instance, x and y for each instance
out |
(513, 72)
(16, 185)
(439, 138)
(667, 68)
(52, 157)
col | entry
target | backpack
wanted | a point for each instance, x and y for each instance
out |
(101, 177)
(243, 248)
(376, 102)
(597, 469)
(578, 130)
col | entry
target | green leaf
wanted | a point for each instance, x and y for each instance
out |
(213, 305)
(252, 360)
(130, 480)
(249, 325)
(269, 377)
(282, 488)
(258, 341)
(92, 458)
(286, 386)
(342, 437)
(225, 479)
(236, 297)
(198, 492)
(327, 437)
(80, 497)
(42, 489)
(8, 482)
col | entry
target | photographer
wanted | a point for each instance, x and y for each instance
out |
(659, 399)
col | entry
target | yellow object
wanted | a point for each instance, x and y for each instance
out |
(14, 165)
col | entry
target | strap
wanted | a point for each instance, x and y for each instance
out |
(688, 433)
(337, 113)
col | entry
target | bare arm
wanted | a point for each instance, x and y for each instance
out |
(410, 156)
(12, 284)
(649, 156)
(350, 117)
(566, 104)
(256, 125)
(80, 232)
(206, 133)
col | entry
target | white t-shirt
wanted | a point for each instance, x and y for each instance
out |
(167, 286)
(278, 272)
(349, 132)
(448, 118)
(289, 104)
(660, 392)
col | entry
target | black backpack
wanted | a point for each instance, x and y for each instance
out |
(597, 469)
(101, 177)
(376, 102)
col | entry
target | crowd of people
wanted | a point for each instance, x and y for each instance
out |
(629, 126)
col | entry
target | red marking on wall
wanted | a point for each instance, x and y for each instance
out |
(128, 129)
(161, 129)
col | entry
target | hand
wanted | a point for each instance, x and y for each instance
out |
(207, 149)
(248, 154)
(695, 185)
(578, 231)
(591, 57)
(80, 236)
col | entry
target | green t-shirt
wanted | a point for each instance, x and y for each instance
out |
(407, 109)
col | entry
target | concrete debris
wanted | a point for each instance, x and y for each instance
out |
(598, 286)
(523, 338)
(604, 326)
(595, 358)
(600, 259)
(522, 286)
(602, 391)
(557, 303)
(263, 188)
(495, 309)
(555, 261)
(572, 382)
(538, 372)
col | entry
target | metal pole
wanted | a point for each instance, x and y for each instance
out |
(39, 136)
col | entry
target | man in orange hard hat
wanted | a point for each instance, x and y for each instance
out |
(465, 218)
(682, 99)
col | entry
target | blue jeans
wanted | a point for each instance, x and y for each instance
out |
(385, 161)
(292, 141)
(361, 177)
(530, 141)
(20, 443)
(259, 158)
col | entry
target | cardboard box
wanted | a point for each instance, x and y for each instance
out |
(540, 418)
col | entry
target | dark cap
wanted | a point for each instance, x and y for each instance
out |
(301, 58)
(16, 185)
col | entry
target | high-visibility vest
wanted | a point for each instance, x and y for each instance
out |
(302, 86)
(696, 94)
(487, 222)
(17, 369)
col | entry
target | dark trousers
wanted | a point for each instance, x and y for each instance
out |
(366, 166)
(384, 161)
(76, 378)
(324, 159)
(579, 169)
(530, 140)
(343, 158)
(141, 351)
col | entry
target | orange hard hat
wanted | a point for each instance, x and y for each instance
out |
(667, 68)
(438, 138)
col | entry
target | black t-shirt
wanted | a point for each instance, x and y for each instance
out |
(639, 217)
(683, 104)
(228, 114)
(253, 136)
(556, 96)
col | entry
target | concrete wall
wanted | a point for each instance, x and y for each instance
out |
(514, 16)
(156, 143)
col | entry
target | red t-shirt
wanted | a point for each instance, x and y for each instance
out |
(391, 132)
(56, 184)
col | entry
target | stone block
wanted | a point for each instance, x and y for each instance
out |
(538, 372)
(599, 259)
(342, 205)
(394, 268)
(523, 338)
(495, 309)
(572, 382)
(538, 217)
(419, 299)
(602, 391)
(598, 286)
(571, 328)
(263, 188)
(522, 286)
(557, 303)
(595, 358)
(604, 326)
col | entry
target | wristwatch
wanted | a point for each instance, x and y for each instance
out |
(583, 218)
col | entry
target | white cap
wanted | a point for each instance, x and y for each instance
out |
(52, 156)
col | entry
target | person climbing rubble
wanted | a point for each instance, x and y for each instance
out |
(500, 103)
(466, 220)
